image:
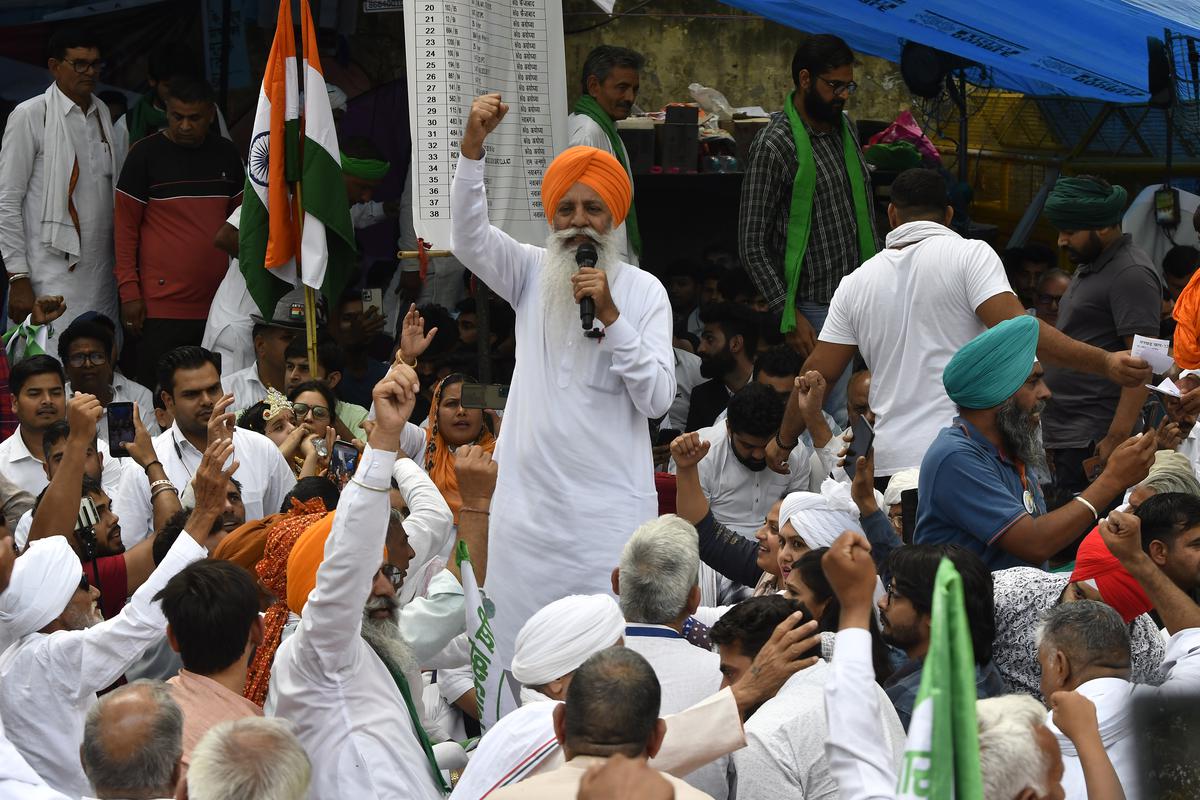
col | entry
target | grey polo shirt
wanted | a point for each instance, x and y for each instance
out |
(1118, 295)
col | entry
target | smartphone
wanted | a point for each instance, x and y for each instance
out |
(120, 428)
(864, 438)
(372, 298)
(1155, 412)
(484, 395)
(666, 436)
(1092, 468)
(908, 515)
(342, 462)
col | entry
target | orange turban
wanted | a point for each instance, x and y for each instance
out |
(1187, 332)
(1117, 587)
(307, 555)
(591, 167)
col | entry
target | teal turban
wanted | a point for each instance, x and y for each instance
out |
(1080, 204)
(990, 368)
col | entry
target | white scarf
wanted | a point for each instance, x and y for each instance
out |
(59, 157)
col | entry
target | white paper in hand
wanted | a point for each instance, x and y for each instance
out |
(1156, 352)
(1167, 387)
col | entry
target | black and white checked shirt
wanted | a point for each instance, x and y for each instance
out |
(832, 251)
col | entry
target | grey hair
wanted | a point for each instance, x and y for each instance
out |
(1163, 481)
(605, 58)
(1010, 758)
(253, 757)
(1086, 631)
(395, 518)
(150, 769)
(1053, 272)
(658, 568)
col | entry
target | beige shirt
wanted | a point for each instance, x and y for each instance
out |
(563, 783)
(206, 703)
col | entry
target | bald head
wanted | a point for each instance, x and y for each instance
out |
(132, 742)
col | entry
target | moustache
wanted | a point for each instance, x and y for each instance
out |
(381, 603)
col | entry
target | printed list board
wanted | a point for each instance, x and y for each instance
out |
(457, 50)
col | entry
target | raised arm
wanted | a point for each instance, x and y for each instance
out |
(1122, 534)
(477, 473)
(59, 508)
(430, 522)
(495, 257)
(1075, 716)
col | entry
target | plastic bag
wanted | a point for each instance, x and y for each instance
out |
(711, 101)
(906, 129)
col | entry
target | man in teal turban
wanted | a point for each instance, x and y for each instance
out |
(979, 481)
(1114, 294)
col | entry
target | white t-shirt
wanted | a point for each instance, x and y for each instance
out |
(908, 309)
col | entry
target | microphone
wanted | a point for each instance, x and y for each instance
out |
(586, 256)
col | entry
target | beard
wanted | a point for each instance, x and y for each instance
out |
(820, 110)
(717, 365)
(1021, 435)
(558, 296)
(1088, 252)
(82, 620)
(383, 635)
(752, 464)
(897, 636)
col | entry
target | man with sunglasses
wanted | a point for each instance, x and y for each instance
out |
(60, 160)
(85, 349)
(806, 212)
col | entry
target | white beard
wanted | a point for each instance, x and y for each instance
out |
(558, 296)
(384, 636)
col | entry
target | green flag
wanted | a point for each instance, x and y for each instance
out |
(941, 756)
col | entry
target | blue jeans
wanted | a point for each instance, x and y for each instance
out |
(835, 396)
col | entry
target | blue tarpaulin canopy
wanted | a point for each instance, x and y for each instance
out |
(1080, 48)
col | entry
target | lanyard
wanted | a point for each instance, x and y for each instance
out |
(656, 633)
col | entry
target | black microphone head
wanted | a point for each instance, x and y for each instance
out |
(586, 255)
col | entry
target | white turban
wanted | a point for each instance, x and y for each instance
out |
(43, 581)
(819, 519)
(900, 482)
(337, 98)
(564, 634)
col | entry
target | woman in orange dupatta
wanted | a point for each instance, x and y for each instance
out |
(451, 426)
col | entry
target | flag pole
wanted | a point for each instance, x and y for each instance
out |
(310, 295)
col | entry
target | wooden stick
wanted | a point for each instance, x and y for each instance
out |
(410, 254)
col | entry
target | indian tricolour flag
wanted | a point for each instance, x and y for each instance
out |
(295, 226)
(494, 694)
(941, 756)
(268, 234)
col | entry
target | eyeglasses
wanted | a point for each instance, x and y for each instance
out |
(1047, 299)
(84, 586)
(302, 409)
(839, 87)
(394, 574)
(84, 66)
(891, 592)
(96, 359)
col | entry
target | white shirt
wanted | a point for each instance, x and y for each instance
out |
(90, 284)
(687, 377)
(908, 309)
(126, 390)
(1115, 699)
(264, 475)
(686, 674)
(1190, 447)
(49, 681)
(558, 475)
(583, 130)
(327, 680)
(245, 386)
(18, 781)
(228, 329)
(22, 468)
(739, 497)
(784, 754)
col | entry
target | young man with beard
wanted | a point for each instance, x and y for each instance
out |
(1114, 294)
(574, 444)
(906, 613)
(979, 479)
(806, 219)
(727, 349)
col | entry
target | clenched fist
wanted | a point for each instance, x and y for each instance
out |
(486, 113)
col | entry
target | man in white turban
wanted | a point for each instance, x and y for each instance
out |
(561, 636)
(62, 651)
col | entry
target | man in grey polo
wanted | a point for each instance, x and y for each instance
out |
(1114, 294)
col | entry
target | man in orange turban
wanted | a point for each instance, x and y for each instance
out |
(574, 446)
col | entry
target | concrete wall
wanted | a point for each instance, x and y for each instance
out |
(746, 57)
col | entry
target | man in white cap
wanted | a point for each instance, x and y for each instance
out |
(63, 652)
(551, 646)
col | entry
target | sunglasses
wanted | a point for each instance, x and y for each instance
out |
(301, 410)
(84, 586)
(394, 575)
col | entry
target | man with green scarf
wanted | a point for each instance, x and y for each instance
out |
(806, 215)
(610, 85)
(1114, 294)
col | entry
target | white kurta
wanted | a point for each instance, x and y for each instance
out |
(49, 681)
(574, 453)
(89, 285)
(228, 332)
(583, 130)
(686, 674)
(1114, 699)
(784, 754)
(246, 387)
(327, 680)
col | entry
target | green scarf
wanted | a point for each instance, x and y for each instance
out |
(588, 106)
(21, 342)
(369, 169)
(800, 216)
(144, 119)
(406, 693)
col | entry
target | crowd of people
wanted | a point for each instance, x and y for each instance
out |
(707, 522)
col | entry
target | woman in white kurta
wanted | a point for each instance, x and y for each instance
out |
(576, 476)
